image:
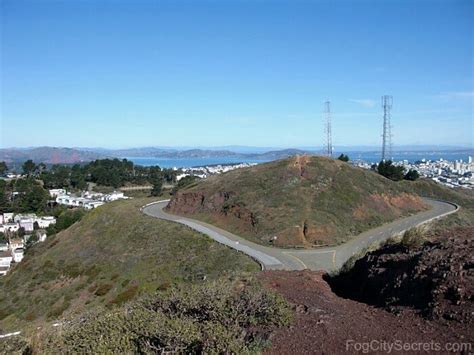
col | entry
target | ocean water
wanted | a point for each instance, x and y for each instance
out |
(370, 157)
(190, 162)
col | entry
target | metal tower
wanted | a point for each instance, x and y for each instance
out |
(327, 117)
(387, 102)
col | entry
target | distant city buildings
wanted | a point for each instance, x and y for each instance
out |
(449, 173)
(12, 243)
(88, 200)
(206, 171)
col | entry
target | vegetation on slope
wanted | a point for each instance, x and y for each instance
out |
(301, 201)
(220, 316)
(113, 254)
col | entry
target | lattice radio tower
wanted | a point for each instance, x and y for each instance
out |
(328, 129)
(387, 102)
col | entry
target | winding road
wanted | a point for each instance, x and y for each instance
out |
(326, 258)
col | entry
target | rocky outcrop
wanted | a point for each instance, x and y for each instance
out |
(221, 204)
(437, 278)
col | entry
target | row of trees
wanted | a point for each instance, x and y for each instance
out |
(105, 172)
(22, 196)
(389, 170)
(394, 172)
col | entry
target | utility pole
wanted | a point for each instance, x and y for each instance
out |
(328, 129)
(387, 102)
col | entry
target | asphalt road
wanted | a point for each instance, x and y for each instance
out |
(327, 258)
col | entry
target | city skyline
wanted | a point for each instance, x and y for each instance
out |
(240, 73)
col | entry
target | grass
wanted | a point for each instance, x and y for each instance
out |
(112, 255)
(303, 201)
(416, 237)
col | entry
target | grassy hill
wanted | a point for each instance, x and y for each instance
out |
(302, 201)
(112, 255)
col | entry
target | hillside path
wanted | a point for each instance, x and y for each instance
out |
(325, 258)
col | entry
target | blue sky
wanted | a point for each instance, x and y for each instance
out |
(208, 73)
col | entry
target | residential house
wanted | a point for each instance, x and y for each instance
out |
(16, 243)
(93, 204)
(5, 260)
(11, 227)
(41, 235)
(57, 192)
(3, 246)
(28, 224)
(18, 254)
(46, 221)
(7, 217)
(114, 196)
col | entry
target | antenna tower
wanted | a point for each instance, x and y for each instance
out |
(328, 129)
(387, 102)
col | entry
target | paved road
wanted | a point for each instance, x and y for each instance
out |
(327, 258)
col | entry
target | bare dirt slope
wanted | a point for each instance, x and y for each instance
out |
(328, 324)
(302, 201)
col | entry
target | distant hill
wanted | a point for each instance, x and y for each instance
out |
(113, 254)
(48, 155)
(302, 201)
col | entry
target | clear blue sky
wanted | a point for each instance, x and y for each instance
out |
(209, 73)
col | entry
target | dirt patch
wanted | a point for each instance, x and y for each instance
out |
(435, 278)
(328, 324)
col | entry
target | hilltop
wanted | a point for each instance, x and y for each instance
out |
(111, 256)
(48, 155)
(301, 201)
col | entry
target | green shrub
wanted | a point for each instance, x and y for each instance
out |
(103, 289)
(215, 317)
(414, 238)
(14, 345)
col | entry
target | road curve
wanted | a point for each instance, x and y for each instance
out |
(326, 258)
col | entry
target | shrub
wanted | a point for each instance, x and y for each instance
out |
(414, 238)
(14, 345)
(103, 289)
(216, 317)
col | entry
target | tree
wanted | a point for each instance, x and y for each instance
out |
(390, 171)
(157, 187)
(29, 167)
(3, 168)
(343, 157)
(185, 182)
(412, 175)
(4, 201)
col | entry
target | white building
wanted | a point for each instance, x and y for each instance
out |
(11, 227)
(16, 243)
(46, 221)
(5, 261)
(41, 234)
(18, 254)
(3, 246)
(27, 224)
(114, 196)
(73, 201)
(57, 192)
(20, 216)
(7, 217)
(93, 204)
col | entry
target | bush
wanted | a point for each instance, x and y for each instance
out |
(217, 317)
(414, 238)
(343, 157)
(412, 175)
(14, 345)
(390, 171)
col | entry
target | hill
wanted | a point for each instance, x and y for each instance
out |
(112, 255)
(302, 201)
(48, 155)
